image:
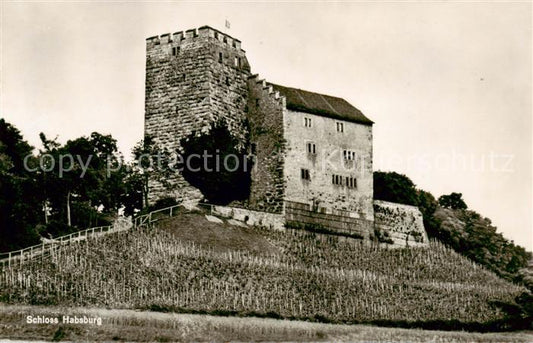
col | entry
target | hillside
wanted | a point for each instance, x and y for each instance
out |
(190, 264)
(472, 235)
(448, 220)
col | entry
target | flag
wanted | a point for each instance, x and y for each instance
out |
(228, 24)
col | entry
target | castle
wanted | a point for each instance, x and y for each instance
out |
(313, 152)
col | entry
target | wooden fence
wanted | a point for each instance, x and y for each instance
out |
(48, 245)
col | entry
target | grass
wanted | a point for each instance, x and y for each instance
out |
(144, 326)
(188, 264)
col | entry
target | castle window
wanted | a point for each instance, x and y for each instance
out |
(257, 102)
(253, 148)
(216, 35)
(175, 50)
(348, 155)
(227, 81)
(236, 62)
(340, 127)
(225, 39)
(348, 181)
(311, 148)
(184, 77)
(307, 122)
(219, 57)
(336, 179)
(305, 174)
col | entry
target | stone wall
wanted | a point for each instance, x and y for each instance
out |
(265, 116)
(340, 221)
(250, 217)
(193, 79)
(327, 161)
(403, 223)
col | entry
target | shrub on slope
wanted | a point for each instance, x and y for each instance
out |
(448, 221)
(473, 236)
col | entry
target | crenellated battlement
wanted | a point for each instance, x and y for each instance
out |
(268, 89)
(204, 32)
(198, 77)
(194, 78)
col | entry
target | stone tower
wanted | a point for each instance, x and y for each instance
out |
(193, 79)
(312, 152)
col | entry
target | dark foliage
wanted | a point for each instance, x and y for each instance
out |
(382, 237)
(132, 196)
(394, 187)
(75, 193)
(152, 163)
(453, 201)
(35, 203)
(449, 221)
(20, 206)
(474, 237)
(56, 228)
(519, 314)
(223, 175)
(427, 204)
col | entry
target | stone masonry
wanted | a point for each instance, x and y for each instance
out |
(193, 79)
(403, 223)
(327, 161)
(312, 152)
(266, 110)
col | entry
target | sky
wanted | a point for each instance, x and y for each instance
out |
(448, 84)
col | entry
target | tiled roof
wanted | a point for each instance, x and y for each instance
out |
(322, 105)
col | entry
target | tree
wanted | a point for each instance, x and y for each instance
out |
(19, 202)
(394, 187)
(427, 204)
(453, 201)
(134, 188)
(465, 231)
(475, 237)
(151, 163)
(222, 170)
(77, 182)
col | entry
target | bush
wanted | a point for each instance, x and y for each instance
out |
(474, 237)
(56, 228)
(382, 236)
(394, 187)
(453, 201)
(449, 221)
(220, 182)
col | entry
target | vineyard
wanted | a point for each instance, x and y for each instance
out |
(302, 275)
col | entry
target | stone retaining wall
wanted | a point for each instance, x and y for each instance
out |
(403, 223)
(263, 219)
(342, 222)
